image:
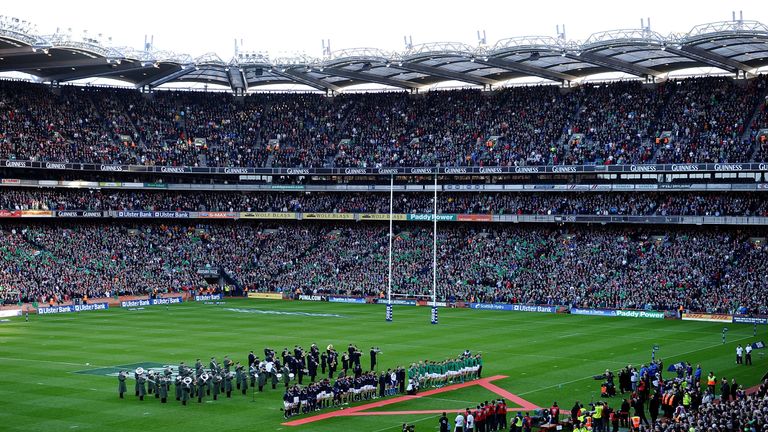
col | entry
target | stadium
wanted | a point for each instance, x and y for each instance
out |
(536, 233)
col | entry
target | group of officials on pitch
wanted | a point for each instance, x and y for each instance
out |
(487, 417)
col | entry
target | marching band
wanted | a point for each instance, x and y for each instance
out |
(293, 365)
(196, 382)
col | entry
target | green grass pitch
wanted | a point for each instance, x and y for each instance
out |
(546, 358)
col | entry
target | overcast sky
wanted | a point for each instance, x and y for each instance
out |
(300, 25)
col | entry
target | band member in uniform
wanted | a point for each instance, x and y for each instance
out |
(178, 385)
(228, 383)
(374, 353)
(213, 365)
(156, 379)
(301, 365)
(253, 372)
(238, 374)
(121, 387)
(345, 362)
(227, 363)
(251, 358)
(312, 368)
(150, 378)
(269, 354)
(202, 386)
(314, 352)
(354, 357)
(164, 382)
(275, 378)
(284, 375)
(333, 362)
(262, 378)
(136, 381)
(186, 389)
(323, 361)
(141, 380)
(160, 392)
(216, 381)
(243, 381)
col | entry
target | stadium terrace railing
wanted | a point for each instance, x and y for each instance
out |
(530, 188)
(469, 170)
(410, 217)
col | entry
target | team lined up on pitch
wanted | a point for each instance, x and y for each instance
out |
(367, 386)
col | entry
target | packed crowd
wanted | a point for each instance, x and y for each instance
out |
(684, 401)
(708, 122)
(591, 203)
(46, 264)
(760, 123)
(708, 118)
(746, 414)
(617, 123)
(716, 270)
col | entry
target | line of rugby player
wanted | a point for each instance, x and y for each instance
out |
(363, 386)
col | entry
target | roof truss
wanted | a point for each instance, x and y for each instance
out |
(709, 58)
(442, 73)
(305, 79)
(364, 77)
(525, 69)
(615, 64)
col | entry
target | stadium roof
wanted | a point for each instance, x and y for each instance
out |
(738, 47)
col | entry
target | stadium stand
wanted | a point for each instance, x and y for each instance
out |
(707, 118)
(591, 203)
(616, 121)
(716, 270)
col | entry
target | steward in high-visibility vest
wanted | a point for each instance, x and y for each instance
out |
(687, 400)
(598, 412)
(636, 422)
(711, 381)
(667, 402)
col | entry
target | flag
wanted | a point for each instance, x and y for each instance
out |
(673, 368)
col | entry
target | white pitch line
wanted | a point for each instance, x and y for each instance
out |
(448, 400)
(399, 424)
(51, 362)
